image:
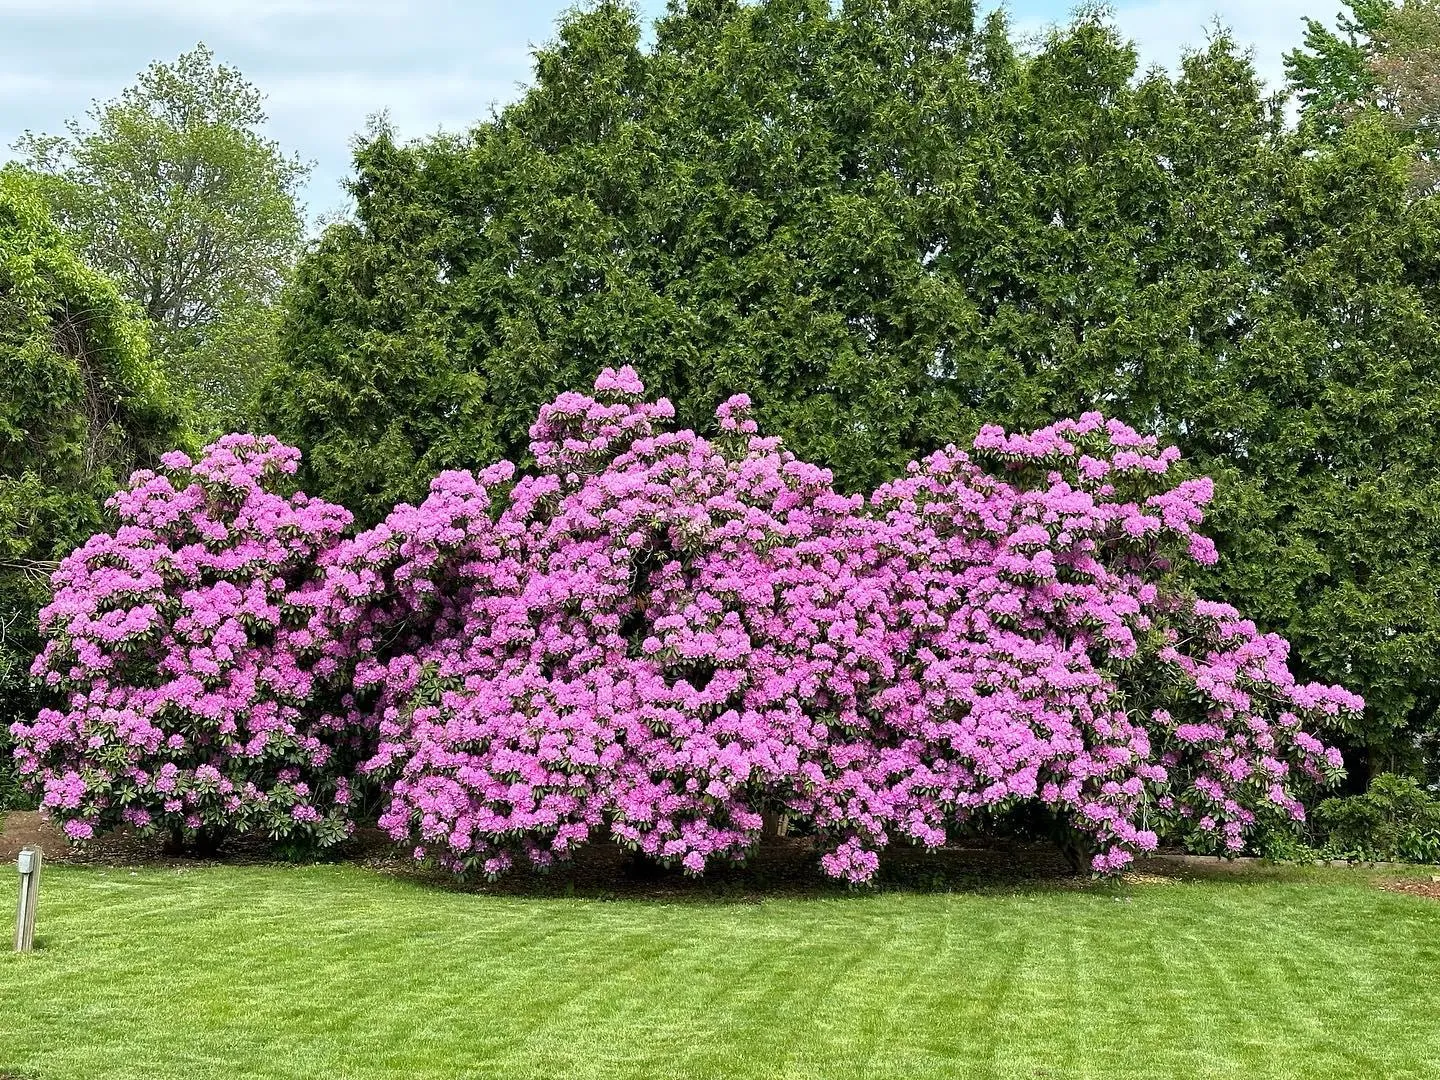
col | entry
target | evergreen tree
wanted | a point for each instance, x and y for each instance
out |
(890, 225)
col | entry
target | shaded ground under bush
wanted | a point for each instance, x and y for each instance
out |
(781, 866)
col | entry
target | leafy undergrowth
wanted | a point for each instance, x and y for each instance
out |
(353, 972)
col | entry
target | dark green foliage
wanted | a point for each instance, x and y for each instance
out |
(735, 211)
(13, 795)
(1396, 819)
(81, 405)
(889, 226)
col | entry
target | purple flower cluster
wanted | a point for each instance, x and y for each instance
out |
(662, 638)
(183, 708)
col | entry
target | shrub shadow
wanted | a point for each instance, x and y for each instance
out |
(780, 868)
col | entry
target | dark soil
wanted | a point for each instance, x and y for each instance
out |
(780, 866)
(123, 847)
(26, 828)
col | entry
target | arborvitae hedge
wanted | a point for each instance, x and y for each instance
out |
(891, 225)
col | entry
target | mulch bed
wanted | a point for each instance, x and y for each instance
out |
(780, 866)
(124, 847)
(1430, 889)
(20, 829)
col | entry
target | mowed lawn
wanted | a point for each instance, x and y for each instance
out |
(339, 972)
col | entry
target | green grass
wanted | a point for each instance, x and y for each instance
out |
(337, 972)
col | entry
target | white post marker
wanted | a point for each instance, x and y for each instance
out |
(29, 866)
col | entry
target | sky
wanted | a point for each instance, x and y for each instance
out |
(326, 65)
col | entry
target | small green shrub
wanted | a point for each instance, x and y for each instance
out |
(1285, 843)
(1396, 819)
(13, 795)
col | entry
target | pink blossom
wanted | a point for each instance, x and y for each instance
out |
(168, 651)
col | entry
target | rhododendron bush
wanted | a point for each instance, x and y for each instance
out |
(665, 637)
(662, 638)
(183, 709)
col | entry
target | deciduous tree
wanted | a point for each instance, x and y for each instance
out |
(1382, 58)
(82, 403)
(174, 189)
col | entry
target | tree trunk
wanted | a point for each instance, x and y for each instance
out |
(204, 845)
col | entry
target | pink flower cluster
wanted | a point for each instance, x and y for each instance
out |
(182, 707)
(662, 638)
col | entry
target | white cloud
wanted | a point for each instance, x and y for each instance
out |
(22, 83)
(206, 10)
(323, 65)
(325, 91)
